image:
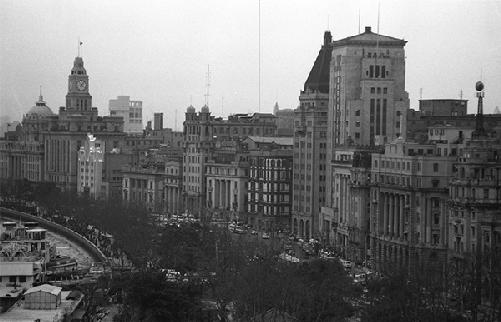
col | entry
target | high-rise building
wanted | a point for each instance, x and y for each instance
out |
(130, 111)
(310, 145)
(158, 121)
(367, 90)
(66, 132)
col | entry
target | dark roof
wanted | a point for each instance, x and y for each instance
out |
(318, 79)
(75, 294)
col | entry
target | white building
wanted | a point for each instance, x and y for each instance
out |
(90, 167)
(131, 111)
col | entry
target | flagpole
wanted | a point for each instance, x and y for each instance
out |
(78, 47)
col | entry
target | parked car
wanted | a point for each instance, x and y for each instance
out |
(266, 236)
(239, 230)
(253, 232)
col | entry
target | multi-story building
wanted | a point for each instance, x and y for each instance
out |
(409, 192)
(130, 111)
(475, 218)
(243, 125)
(227, 173)
(201, 131)
(345, 225)
(310, 146)
(269, 200)
(165, 136)
(158, 121)
(155, 180)
(67, 131)
(418, 123)
(285, 120)
(46, 145)
(198, 144)
(90, 167)
(367, 90)
(22, 152)
(173, 186)
(143, 185)
(443, 107)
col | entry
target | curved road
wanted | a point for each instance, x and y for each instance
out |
(66, 239)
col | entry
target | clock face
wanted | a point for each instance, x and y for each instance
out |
(81, 84)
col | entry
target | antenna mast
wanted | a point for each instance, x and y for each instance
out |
(358, 20)
(259, 55)
(207, 87)
(175, 121)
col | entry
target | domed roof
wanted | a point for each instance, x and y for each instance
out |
(190, 109)
(205, 109)
(39, 110)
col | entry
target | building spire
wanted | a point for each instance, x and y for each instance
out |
(79, 45)
(40, 97)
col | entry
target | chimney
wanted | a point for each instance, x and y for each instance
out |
(367, 29)
(327, 38)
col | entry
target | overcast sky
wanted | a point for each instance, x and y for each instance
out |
(158, 51)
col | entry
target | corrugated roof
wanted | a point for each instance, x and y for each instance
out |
(45, 288)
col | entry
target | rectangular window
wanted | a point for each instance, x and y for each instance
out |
(384, 115)
(383, 71)
(377, 71)
(371, 71)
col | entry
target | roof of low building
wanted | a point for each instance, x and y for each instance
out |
(273, 139)
(16, 268)
(45, 288)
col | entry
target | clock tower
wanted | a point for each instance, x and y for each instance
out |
(78, 98)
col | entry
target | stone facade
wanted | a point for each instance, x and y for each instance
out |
(348, 218)
(270, 186)
(367, 90)
(409, 192)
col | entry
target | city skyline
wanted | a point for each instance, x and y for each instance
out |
(167, 53)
